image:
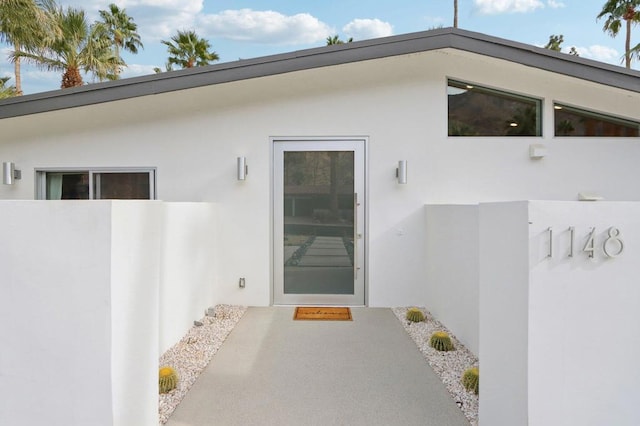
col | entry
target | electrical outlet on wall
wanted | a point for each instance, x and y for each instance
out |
(241, 282)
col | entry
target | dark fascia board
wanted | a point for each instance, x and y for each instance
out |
(454, 38)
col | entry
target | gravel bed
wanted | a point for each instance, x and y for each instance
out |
(449, 366)
(192, 354)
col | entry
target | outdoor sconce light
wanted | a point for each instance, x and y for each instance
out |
(401, 172)
(243, 169)
(537, 151)
(9, 173)
(583, 196)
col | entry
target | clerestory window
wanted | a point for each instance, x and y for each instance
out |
(96, 184)
(480, 111)
(571, 121)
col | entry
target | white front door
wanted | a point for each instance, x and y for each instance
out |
(319, 240)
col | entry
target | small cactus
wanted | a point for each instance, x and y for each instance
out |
(168, 379)
(415, 315)
(471, 380)
(441, 341)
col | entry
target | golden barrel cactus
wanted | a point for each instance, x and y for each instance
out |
(168, 379)
(415, 315)
(441, 341)
(471, 380)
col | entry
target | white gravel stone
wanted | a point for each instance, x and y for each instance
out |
(190, 356)
(449, 366)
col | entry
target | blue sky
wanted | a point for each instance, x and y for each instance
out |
(246, 29)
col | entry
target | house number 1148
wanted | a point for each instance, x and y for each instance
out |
(612, 246)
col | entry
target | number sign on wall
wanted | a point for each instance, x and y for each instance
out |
(612, 245)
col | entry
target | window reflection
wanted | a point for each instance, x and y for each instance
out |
(318, 222)
(479, 111)
(82, 185)
(570, 121)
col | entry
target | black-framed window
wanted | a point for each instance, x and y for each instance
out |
(481, 111)
(572, 121)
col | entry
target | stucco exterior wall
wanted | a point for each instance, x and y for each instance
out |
(504, 313)
(55, 311)
(193, 138)
(451, 261)
(92, 293)
(559, 334)
(188, 268)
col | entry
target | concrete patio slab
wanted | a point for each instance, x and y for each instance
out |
(273, 370)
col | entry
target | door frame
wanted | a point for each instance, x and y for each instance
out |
(275, 256)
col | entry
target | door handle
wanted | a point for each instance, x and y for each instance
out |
(355, 236)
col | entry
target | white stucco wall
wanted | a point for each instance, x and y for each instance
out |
(188, 268)
(584, 316)
(92, 292)
(135, 240)
(451, 290)
(560, 335)
(193, 138)
(504, 313)
(55, 311)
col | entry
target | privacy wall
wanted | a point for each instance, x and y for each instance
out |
(559, 313)
(92, 292)
(451, 290)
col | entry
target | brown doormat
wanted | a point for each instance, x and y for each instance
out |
(322, 313)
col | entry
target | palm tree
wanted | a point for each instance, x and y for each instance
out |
(617, 11)
(635, 51)
(555, 42)
(167, 67)
(26, 25)
(187, 50)
(121, 30)
(455, 13)
(6, 91)
(81, 47)
(336, 40)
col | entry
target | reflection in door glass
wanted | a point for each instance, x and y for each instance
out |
(318, 222)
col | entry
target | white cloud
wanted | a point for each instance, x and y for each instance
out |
(266, 27)
(4, 53)
(362, 29)
(92, 6)
(156, 19)
(185, 6)
(600, 53)
(8, 74)
(434, 22)
(162, 24)
(136, 70)
(554, 4)
(36, 81)
(491, 7)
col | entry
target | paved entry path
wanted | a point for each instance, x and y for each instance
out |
(326, 251)
(273, 370)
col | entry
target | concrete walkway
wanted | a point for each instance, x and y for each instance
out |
(326, 251)
(273, 370)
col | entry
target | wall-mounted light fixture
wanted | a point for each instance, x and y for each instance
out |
(243, 169)
(401, 172)
(584, 196)
(537, 151)
(9, 173)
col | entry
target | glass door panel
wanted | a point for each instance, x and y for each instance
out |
(317, 229)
